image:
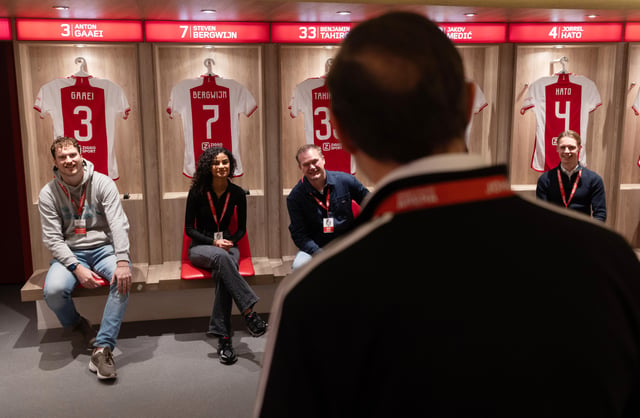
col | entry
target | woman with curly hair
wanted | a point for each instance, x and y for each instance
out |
(211, 202)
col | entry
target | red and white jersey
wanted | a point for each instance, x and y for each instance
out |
(210, 108)
(312, 98)
(560, 102)
(636, 104)
(636, 110)
(479, 103)
(86, 108)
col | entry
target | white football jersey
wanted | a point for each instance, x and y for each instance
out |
(312, 98)
(210, 107)
(560, 102)
(86, 108)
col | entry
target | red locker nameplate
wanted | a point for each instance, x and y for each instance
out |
(310, 33)
(206, 32)
(565, 32)
(478, 33)
(79, 30)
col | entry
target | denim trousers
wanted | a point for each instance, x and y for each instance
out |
(230, 285)
(60, 283)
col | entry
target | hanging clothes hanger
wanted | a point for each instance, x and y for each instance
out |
(82, 72)
(327, 65)
(209, 63)
(563, 61)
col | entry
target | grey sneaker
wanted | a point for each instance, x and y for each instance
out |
(102, 363)
(89, 334)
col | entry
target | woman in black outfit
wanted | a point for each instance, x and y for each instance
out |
(211, 203)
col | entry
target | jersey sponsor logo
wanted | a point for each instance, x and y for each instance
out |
(205, 145)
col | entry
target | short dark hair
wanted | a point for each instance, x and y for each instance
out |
(63, 141)
(398, 89)
(203, 177)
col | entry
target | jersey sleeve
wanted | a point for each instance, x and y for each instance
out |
(44, 100)
(530, 100)
(636, 104)
(294, 104)
(117, 100)
(175, 103)
(247, 103)
(592, 96)
(479, 99)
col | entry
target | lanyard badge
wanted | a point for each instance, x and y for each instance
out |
(327, 223)
(573, 189)
(79, 224)
(218, 234)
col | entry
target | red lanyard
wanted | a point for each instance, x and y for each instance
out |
(445, 193)
(573, 189)
(213, 209)
(80, 205)
(322, 205)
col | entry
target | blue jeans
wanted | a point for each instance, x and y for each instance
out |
(301, 259)
(60, 283)
(230, 285)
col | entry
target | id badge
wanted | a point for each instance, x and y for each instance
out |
(217, 236)
(327, 225)
(80, 226)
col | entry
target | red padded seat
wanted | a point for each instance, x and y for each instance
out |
(245, 267)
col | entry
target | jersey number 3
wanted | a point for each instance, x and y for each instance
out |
(86, 116)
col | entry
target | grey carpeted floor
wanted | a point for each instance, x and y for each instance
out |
(165, 369)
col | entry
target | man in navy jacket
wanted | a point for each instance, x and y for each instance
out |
(319, 205)
(571, 185)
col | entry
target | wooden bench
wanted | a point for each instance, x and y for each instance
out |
(158, 293)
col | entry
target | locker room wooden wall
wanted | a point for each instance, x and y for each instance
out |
(149, 145)
(628, 204)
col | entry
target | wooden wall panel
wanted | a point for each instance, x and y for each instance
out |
(628, 219)
(628, 210)
(481, 64)
(629, 170)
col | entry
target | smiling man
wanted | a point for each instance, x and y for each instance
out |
(570, 184)
(320, 203)
(87, 232)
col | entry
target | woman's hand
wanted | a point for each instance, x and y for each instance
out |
(225, 244)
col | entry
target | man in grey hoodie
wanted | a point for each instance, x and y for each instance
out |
(86, 229)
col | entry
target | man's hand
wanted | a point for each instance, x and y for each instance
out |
(225, 244)
(123, 277)
(87, 278)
